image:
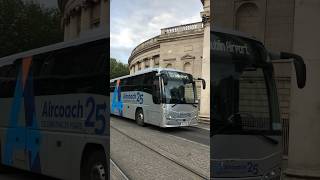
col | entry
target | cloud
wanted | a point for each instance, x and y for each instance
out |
(134, 21)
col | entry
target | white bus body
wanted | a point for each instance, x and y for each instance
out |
(157, 96)
(54, 111)
(246, 132)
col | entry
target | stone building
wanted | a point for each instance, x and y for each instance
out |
(179, 47)
(286, 25)
(81, 17)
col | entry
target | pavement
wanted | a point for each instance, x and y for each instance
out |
(155, 153)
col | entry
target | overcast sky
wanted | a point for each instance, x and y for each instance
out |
(134, 21)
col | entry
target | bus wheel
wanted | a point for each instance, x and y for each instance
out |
(140, 117)
(96, 167)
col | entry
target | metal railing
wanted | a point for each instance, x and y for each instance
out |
(182, 28)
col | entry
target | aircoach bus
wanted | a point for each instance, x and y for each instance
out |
(245, 120)
(162, 97)
(54, 110)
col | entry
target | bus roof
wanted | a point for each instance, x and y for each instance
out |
(147, 71)
(9, 59)
(233, 32)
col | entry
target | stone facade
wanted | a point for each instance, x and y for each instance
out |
(205, 93)
(81, 17)
(185, 47)
(178, 47)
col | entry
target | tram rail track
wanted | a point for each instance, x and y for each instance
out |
(182, 165)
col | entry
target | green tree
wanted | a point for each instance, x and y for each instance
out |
(27, 25)
(118, 69)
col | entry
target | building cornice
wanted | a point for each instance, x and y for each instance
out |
(186, 31)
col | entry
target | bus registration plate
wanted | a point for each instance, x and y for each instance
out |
(184, 123)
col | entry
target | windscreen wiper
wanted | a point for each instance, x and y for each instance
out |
(185, 103)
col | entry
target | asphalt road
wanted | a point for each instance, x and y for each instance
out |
(195, 134)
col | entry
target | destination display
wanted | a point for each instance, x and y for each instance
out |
(233, 48)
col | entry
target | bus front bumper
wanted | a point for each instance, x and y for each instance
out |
(170, 122)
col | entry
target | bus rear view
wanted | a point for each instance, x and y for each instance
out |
(246, 133)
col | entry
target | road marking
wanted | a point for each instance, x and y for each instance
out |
(118, 169)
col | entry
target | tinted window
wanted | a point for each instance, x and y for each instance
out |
(80, 69)
(8, 77)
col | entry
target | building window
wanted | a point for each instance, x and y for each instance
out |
(139, 66)
(248, 19)
(156, 61)
(95, 15)
(147, 63)
(187, 68)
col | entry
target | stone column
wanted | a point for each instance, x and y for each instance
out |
(104, 19)
(151, 60)
(205, 74)
(66, 30)
(85, 19)
(136, 68)
(73, 27)
(131, 70)
(143, 64)
(304, 142)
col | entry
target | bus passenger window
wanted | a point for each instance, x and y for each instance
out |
(8, 79)
(156, 91)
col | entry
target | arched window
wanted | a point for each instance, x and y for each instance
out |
(248, 19)
(187, 68)
(169, 65)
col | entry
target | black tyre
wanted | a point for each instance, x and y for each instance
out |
(140, 117)
(95, 167)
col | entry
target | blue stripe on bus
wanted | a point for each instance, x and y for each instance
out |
(117, 103)
(15, 135)
(22, 138)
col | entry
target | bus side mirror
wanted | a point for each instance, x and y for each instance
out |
(203, 83)
(299, 66)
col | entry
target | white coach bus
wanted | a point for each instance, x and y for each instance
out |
(246, 132)
(54, 114)
(157, 96)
